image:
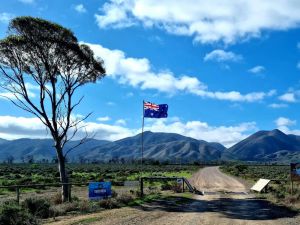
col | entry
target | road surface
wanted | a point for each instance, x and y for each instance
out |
(211, 179)
(227, 202)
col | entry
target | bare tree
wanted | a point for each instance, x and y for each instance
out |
(44, 54)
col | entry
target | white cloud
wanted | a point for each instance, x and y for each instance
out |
(80, 8)
(278, 105)
(21, 127)
(110, 103)
(121, 122)
(137, 72)
(6, 17)
(108, 132)
(283, 121)
(27, 1)
(235, 96)
(288, 97)
(114, 15)
(156, 39)
(284, 124)
(257, 69)
(105, 118)
(206, 21)
(220, 55)
(203, 131)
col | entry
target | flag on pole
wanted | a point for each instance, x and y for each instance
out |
(152, 110)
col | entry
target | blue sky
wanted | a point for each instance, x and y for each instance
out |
(226, 69)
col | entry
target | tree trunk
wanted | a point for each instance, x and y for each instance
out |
(63, 174)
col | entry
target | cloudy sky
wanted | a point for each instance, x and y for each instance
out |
(226, 68)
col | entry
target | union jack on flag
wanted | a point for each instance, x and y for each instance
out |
(152, 110)
(152, 106)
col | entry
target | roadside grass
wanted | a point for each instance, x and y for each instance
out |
(22, 174)
(278, 191)
(176, 198)
(181, 173)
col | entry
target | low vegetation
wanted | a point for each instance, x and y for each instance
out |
(279, 190)
(32, 210)
(23, 174)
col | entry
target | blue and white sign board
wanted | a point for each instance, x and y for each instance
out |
(99, 190)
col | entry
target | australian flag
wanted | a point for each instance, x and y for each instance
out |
(152, 110)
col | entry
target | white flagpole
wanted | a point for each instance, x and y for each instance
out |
(142, 150)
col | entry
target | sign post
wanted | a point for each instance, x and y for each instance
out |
(295, 174)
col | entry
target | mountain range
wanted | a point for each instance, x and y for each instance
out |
(265, 146)
(274, 146)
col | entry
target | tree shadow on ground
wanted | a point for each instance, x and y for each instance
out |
(245, 209)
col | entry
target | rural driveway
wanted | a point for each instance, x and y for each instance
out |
(210, 179)
(226, 202)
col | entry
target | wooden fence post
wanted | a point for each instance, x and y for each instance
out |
(69, 196)
(18, 194)
(142, 186)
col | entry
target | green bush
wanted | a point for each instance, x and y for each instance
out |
(109, 203)
(38, 207)
(166, 186)
(125, 199)
(13, 214)
(63, 209)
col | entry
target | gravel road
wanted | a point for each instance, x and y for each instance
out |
(210, 179)
(226, 202)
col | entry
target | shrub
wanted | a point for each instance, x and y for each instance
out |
(37, 207)
(62, 209)
(13, 214)
(125, 198)
(177, 188)
(109, 203)
(84, 206)
(88, 206)
(172, 186)
(56, 199)
(166, 186)
(114, 194)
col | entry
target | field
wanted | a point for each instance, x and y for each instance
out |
(26, 174)
(17, 174)
(225, 200)
(279, 189)
(49, 196)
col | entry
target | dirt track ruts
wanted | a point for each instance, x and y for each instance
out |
(212, 179)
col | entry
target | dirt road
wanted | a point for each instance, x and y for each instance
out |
(215, 207)
(211, 179)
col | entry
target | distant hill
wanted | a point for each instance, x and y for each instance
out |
(2, 141)
(265, 146)
(262, 146)
(157, 146)
(161, 147)
(41, 148)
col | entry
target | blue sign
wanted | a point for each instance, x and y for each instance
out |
(99, 190)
